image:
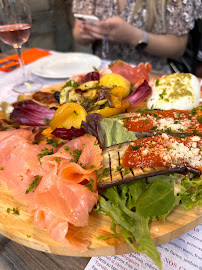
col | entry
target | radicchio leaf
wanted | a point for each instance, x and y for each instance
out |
(67, 134)
(30, 113)
(143, 91)
(92, 126)
(91, 76)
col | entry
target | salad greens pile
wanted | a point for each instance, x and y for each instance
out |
(132, 206)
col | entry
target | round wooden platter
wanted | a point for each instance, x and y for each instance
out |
(21, 229)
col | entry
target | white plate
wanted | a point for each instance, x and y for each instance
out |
(65, 65)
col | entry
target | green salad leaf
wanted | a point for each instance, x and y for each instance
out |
(114, 133)
(131, 206)
(191, 192)
(157, 200)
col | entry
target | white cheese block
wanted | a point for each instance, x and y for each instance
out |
(175, 91)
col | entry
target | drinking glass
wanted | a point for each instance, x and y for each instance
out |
(15, 27)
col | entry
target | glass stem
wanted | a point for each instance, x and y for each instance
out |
(105, 47)
(22, 65)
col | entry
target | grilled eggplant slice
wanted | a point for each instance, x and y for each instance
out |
(113, 173)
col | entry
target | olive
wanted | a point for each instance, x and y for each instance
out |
(57, 96)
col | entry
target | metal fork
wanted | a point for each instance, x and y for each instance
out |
(8, 62)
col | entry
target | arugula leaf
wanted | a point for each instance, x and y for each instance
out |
(191, 192)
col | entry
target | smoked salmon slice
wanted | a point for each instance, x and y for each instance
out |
(64, 192)
(19, 161)
(66, 188)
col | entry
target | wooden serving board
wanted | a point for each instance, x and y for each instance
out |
(20, 228)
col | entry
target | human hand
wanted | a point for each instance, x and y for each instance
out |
(116, 29)
(83, 34)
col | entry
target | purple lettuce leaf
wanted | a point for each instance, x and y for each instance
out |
(30, 113)
(143, 91)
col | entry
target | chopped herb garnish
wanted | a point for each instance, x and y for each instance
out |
(177, 122)
(136, 147)
(162, 94)
(66, 148)
(14, 210)
(168, 149)
(1, 168)
(195, 132)
(199, 119)
(156, 115)
(71, 83)
(47, 121)
(181, 129)
(28, 236)
(157, 82)
(52, 142)
(168, 129)
(58, 160)
(119, 147)
(126, 171)
(194, 111)
(44, 152)
(119, 168)
(76, 154)
(34, 184)
(91, 166)
(154, 128)
(105, 172)
(200, 147)
(175, 162)
(90, 184)
(146, 122)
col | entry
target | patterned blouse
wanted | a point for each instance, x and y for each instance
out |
(180, 18)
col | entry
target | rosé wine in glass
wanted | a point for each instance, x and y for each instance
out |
(15, 34)
(15, 27)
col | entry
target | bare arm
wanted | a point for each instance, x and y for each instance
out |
(118, 30)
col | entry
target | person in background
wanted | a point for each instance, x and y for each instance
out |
(138, 30)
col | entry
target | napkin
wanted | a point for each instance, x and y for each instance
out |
(28, 56)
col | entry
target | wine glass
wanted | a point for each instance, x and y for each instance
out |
(15, 27)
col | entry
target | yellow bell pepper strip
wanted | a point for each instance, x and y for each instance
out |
(107, 112)
(67, 116)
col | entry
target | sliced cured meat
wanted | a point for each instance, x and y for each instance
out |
(123, 69)
(135, 74)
